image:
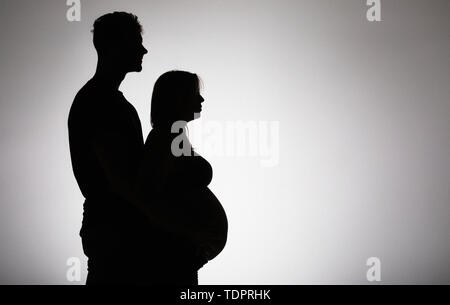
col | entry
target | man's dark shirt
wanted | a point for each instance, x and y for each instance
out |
(97, 109)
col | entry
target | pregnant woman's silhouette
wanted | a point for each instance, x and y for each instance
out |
(174, 180)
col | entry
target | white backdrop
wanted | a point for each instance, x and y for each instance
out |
(364, 142)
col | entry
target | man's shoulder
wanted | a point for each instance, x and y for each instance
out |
(91, 100)
(91, 94)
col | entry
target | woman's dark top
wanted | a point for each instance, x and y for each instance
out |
(185, 187)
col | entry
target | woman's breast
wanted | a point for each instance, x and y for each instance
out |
(194, 171)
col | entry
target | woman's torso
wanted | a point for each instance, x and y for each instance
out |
(186, 184)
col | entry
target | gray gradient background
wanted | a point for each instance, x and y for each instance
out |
(364, 133)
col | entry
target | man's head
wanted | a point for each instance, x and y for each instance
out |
(118, 40)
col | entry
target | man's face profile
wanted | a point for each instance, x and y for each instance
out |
(130, 52)
(118, 41)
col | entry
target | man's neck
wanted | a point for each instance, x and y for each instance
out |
(109, 76)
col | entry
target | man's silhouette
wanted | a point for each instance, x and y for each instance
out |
(106, 144)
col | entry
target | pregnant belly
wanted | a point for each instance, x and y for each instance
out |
(206, 218)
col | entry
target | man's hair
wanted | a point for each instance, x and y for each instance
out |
(111, 28)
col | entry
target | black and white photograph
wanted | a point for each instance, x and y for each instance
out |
(191, 143)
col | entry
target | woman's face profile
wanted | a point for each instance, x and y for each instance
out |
(176, 97)
(192, 106)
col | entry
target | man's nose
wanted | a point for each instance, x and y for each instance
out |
(144, 50)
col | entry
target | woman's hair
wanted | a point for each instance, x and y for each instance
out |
(169, 93)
